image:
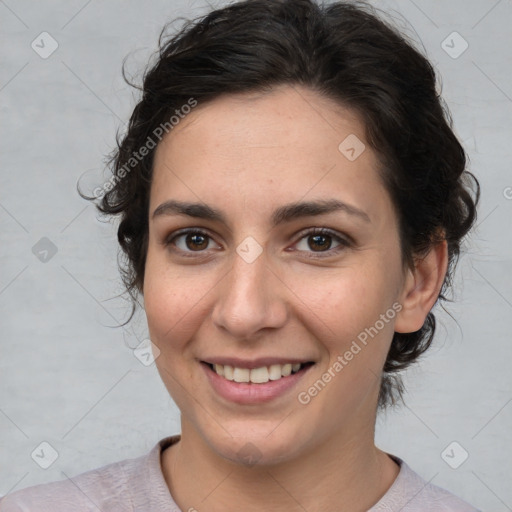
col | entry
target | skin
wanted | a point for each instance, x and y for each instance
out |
(247, 155)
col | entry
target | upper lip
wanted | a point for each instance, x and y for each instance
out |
(254, 363)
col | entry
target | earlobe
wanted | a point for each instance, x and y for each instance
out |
(421, 288)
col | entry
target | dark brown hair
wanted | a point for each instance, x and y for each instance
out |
(343, 51)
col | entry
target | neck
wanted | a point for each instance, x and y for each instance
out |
(348, 470)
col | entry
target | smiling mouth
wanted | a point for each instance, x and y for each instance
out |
(260, 375)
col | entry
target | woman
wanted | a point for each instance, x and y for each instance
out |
(292, 201)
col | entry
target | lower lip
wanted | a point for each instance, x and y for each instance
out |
(250, 393)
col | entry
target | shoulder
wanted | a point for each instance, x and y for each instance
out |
(411, 493)
(119, 486)
(87, 491)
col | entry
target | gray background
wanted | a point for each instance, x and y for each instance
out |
(68, 375)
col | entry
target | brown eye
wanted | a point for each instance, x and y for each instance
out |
(196, 241)
(321, 241)
(189, 241)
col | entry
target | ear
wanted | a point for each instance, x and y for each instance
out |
(421, 288)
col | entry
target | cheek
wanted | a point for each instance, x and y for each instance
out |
(171, 316)
(171, 312)
(347, 298)
(172, 304)
(343, 311)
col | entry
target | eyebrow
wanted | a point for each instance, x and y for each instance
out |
(285, 213)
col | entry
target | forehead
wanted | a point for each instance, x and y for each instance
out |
(279, 146)
(286, 116)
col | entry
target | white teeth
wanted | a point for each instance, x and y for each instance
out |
(286, 370)
(275, 372)
(241, 375)
(256, 375)
(228, 372)
(259, 375)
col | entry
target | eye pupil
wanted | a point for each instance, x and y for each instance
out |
(196, 239)
(325, 245)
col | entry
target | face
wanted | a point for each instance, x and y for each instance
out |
(247, 280)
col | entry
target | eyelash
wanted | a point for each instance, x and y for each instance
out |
(344, 242)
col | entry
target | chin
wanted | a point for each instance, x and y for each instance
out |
(251, 446)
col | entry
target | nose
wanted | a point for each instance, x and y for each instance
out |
(250, 299)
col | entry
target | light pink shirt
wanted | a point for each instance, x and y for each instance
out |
(139, 485)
